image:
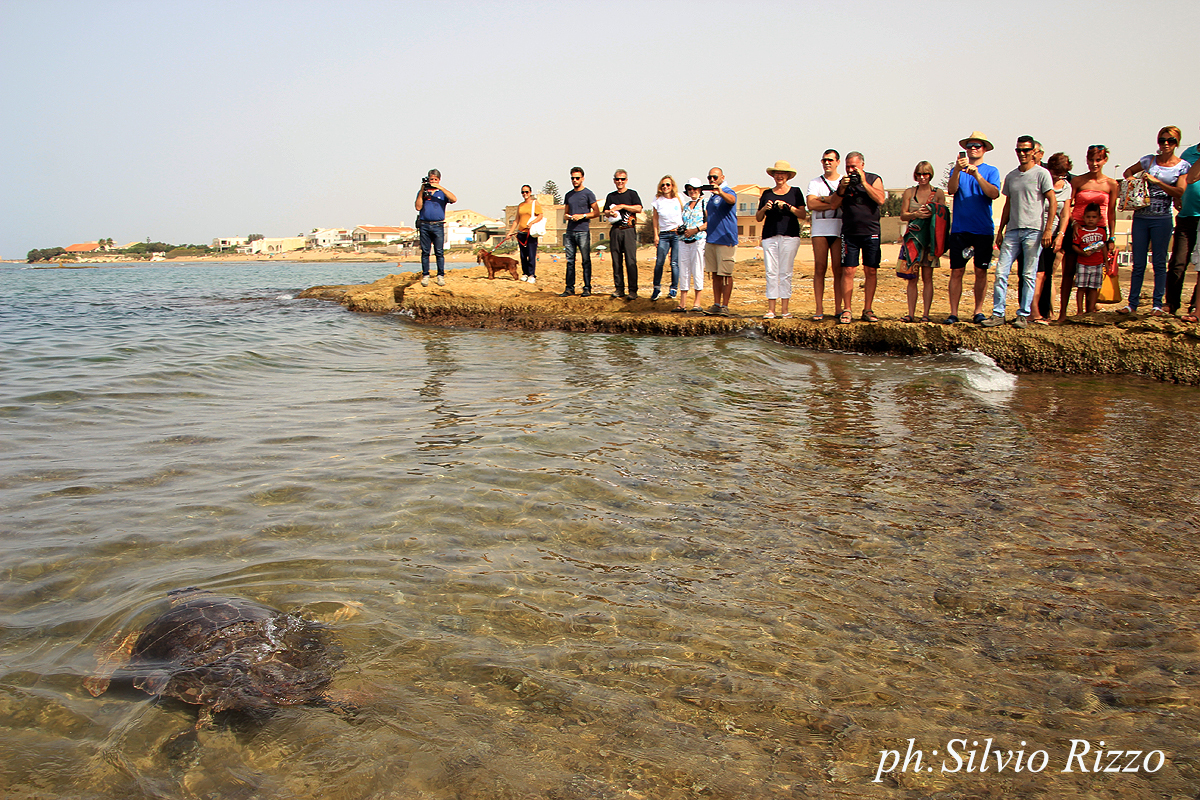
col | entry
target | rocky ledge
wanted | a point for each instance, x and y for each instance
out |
(1163, 348)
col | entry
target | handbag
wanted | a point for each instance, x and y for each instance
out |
(538, 228)
(1135, 193)
(1110, 287)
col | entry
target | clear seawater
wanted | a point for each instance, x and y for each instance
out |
(582, 566)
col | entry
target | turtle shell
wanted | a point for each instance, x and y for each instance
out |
(232, 653)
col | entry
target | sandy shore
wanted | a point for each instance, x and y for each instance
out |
(1163, 348)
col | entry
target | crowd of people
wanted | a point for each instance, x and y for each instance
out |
(1050, 219)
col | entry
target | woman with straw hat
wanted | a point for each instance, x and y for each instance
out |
(780, 210)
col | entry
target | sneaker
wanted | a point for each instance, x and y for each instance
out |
(672, 294)
(1020, 322)
(713, 310)
(951, 320)
(533, 279)
(441, 281)
(424, 280)
(657, 293)
(992, 321)
(586, 293)
(725, 312)
(568, 293)
(978, 319)
(617, 295)
(631, 296)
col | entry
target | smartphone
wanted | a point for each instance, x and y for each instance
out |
(962, 153)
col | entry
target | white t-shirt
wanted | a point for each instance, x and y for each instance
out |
(670, 213)
(825, 223)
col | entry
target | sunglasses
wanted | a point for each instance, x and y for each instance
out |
(1171, 141)
(620, 180)
(924, 175)
(576, 177)
(665, 185)
(524, 192)
(713, 178)
(974, 145)
(1024, 151)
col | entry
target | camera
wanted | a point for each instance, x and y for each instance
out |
(855, 179)
(681, 230)
(425, 182)
(708, 187)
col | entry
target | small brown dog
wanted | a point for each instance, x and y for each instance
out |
(495, 263)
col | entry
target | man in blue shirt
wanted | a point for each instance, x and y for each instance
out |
(581, 209)
(973, 185)
(721, 244)
(432, 199)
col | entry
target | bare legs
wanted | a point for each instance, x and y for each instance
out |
(823, 253)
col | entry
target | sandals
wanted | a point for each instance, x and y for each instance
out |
(1189, 318)
(769, 315)
(1125, 310)
(869, 316)
(926, 318)
(905, 318)
(818, 317)
(845, 318)
(952, 320)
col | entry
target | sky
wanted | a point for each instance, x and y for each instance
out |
(183, 122)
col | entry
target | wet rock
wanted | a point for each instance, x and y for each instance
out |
(1163, 348)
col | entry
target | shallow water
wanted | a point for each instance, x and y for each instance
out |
(589, 566)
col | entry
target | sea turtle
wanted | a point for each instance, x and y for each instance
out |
(223, 653)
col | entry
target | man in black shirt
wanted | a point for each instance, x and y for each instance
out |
(862, 195)
(621, 208)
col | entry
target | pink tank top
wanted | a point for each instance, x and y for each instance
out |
(1085, 196)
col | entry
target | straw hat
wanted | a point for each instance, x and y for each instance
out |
(781, 166)
(976, 136)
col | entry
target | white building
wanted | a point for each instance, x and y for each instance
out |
(381, 233)
(277, 245)
(329, 237)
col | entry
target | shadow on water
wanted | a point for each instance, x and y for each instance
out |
(601, 566)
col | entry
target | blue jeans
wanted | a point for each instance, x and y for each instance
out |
(579, 240)
(1150, 233)
(667, 241)
(1029, 240)
(432, 234)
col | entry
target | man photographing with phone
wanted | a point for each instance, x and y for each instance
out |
(721, 244)
(973, 185)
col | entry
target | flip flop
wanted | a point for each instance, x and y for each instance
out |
(905, 318)
(818, 317)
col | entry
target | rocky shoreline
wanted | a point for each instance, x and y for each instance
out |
(1163, 348)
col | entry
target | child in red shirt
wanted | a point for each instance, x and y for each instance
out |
(1090, 244)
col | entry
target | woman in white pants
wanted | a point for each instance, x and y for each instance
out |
(780, 210)
(691, 247)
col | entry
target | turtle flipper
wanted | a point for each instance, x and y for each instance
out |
(110, 656)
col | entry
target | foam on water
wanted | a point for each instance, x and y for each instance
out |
(984, 375)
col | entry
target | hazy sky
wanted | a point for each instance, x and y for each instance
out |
(186, 121)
